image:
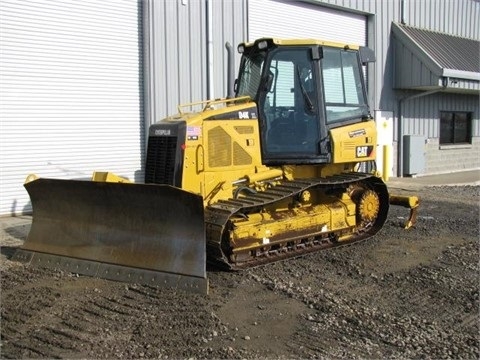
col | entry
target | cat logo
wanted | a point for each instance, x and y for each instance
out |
(364, 151)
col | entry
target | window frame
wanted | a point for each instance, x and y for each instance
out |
(361, 105)
(454, 117)
(288, 100)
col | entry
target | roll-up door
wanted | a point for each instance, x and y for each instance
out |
(296, 19)
(70, 92)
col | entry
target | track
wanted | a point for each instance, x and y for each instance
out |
(218, 215)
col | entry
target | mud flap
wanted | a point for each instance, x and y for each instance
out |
(148, 234)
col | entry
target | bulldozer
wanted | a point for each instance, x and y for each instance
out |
(281, 167)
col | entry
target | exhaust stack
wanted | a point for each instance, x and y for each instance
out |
(230, 71)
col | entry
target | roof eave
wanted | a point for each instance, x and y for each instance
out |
(460, 74)
(417, 49)
(429, 61)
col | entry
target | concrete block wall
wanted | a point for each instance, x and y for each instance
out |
(445, 159)
(451, 158)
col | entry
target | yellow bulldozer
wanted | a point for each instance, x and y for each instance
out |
(284, 166)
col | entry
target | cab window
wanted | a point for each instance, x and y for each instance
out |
(290, 107)
(342, 85)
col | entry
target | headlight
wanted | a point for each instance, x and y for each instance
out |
(262, 45)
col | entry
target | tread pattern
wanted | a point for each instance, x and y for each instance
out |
(217, 215)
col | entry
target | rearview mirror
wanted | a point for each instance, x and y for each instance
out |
(367, 55)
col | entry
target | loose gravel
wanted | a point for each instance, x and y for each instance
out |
(404, 294)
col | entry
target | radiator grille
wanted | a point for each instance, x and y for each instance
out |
(240, 156)
(219, 148)
(160, 164)
(244, 129)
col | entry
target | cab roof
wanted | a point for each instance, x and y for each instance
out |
(300, 42)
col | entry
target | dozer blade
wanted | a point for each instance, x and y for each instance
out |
(410, 202)
(148, 234)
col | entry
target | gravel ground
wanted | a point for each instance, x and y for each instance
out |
(403, 294)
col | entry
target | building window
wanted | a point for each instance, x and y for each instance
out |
(455, 127)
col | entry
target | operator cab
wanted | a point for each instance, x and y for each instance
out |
(302, 88)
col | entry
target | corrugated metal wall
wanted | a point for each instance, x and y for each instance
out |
(420, 116)
(68, 65)
(231, 17)
(423, 113)
(457, 17)
(70, 92)
(178, 54)
(268, 18)
(417, 74)
(179, 59)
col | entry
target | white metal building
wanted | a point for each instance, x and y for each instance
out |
(81, 80)
(71, 92)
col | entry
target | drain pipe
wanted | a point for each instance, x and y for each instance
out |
(400, 122)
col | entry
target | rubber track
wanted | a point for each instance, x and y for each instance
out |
(218, 214)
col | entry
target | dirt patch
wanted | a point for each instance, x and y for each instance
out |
(402, 294)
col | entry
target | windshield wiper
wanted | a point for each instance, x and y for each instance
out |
(306, 98)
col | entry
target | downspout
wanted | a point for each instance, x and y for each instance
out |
(400, 122)
(210, 68)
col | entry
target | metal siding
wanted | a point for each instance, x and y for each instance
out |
(231, 17)
(197, 54)
(458, 18)
(178, 58)
(70, 92)
(179, 50)
(410, 71)
(421, 115)
(296, 19)
(445, 50)
(465, 84)
(444, 16)
(430, 14)
(172, 52)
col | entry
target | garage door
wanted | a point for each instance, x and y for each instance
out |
(296, 19)
(70, 92)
